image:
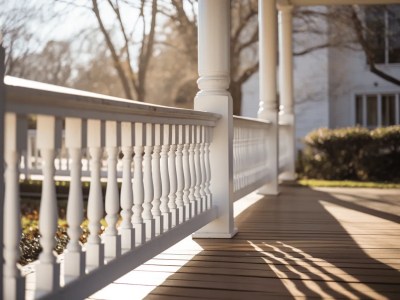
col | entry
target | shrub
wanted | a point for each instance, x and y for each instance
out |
(352, 154)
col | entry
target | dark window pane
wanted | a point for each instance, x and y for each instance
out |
(359, 110)
(388, 110)
(372, 111)
(394, 33)
(375, 35)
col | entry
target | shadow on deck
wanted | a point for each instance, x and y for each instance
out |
(304, 243)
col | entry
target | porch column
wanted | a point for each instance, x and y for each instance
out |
(268, 109)
(286, 113)
(213, 82)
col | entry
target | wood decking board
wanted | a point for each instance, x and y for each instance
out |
(294, 237)
(302, 244)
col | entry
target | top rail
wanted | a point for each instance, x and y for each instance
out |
(237, 120)
(26, 96)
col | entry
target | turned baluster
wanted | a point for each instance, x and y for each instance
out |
(138, 189)
(192, 147)
(112, 241)
(148, 182)
(203, 169)
(95, 210)
(179, 173)
(197, 194)
(74, 258)
(208, 166)
(165, 177)
(14, 283)
(186, 172)
(172, 177)
(126, 230)
(156, 173)
(48, 270)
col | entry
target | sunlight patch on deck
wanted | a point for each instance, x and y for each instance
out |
(140, 282)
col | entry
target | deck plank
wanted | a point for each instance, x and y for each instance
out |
(327, 243)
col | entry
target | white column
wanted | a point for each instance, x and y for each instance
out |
(268, 98)
(213, 53)
(286, 113)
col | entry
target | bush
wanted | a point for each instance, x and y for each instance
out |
(352, 154)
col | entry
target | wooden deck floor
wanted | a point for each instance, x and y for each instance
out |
(304, 243)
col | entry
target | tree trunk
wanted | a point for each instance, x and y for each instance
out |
(236, 92)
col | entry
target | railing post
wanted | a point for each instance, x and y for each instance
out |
(268, 98)
(214, 48)
(286, 113)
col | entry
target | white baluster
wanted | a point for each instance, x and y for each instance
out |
(138, 189)
(47, 270)
(186, 172)
(14, 283)
(165, 177)
(197, 194)
(148, 183)
(74, 259)
(126, 230)
(172, 177)
(203, 169)
(208, 167)
(112, 241)
(179, 173)
(192, 147)
(155, 164)
(95, 210)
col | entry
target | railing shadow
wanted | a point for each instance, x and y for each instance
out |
(288, 246)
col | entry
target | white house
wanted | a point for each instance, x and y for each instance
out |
(333, 86)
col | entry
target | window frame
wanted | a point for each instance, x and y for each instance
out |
(364, 114)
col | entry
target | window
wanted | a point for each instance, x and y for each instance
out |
(383, 33)
(376, 110)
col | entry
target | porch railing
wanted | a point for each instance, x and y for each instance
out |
(249, 155)
(166, 192)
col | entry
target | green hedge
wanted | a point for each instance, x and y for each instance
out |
(352, 154)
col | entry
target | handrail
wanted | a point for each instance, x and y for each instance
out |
(40, 98)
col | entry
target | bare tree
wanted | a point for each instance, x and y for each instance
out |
(133, 83)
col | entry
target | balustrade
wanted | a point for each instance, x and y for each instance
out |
(164, 181)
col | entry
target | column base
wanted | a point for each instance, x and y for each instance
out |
(215, 235)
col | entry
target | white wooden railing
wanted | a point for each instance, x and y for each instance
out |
(165, 192)
(164, 156)
(287, 148)
(249, 155)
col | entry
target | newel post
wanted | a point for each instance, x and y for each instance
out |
(286, 113)
(213, 82)
(268, 109)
